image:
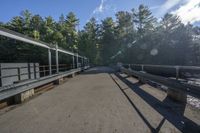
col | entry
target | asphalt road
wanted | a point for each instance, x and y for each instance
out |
(88, 103)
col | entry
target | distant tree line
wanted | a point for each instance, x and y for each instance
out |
(135, 37)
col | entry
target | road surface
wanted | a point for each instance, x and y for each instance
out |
(91, 102)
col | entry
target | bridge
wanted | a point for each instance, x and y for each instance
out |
(78, 98)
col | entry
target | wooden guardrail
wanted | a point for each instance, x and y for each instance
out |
(178, 72)
(192, 90)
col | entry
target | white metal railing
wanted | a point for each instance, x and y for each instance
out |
(50, 47)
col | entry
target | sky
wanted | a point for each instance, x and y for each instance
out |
(187, 10)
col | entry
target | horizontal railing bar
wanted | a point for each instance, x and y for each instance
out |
(29, 40)
(167, 66)
(63, 68)
(6, 68)
(43, 71)
(21, 37)
(17, 74)
(11, 90)
(31, 73)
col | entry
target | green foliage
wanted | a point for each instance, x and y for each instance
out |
(108, 40)
(88, 41)
(16, 24)
(135, 37)
(143, 19)
(70, 31)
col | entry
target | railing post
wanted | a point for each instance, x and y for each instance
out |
(50, 71)
(34, 70)
(77, 60)
(57, 62)
(82, 62)
(177, 72)
(142, 67)
(18, 73)
(129, 66)
(29, 71)
(44, 70)
(73, 61)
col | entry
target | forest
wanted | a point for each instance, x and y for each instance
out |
(134, 36)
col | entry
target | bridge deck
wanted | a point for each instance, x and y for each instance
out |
(89, 103)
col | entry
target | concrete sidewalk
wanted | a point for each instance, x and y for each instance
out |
(89, 103)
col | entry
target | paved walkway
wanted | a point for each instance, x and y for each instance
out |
(88, 103)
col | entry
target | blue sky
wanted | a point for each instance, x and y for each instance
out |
(188, 10)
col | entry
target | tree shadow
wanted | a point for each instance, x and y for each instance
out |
(169, 109)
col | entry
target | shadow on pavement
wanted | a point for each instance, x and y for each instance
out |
(171, 111)
(97, 70)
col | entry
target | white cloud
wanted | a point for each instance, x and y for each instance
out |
(154, 7)
(105, 8)
(189, 12)
(100, 8)
(169, 4)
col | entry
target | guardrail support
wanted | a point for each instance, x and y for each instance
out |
(57, 63)
(19, 98)
(177, 95)
(175, 89)
(50, 71)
